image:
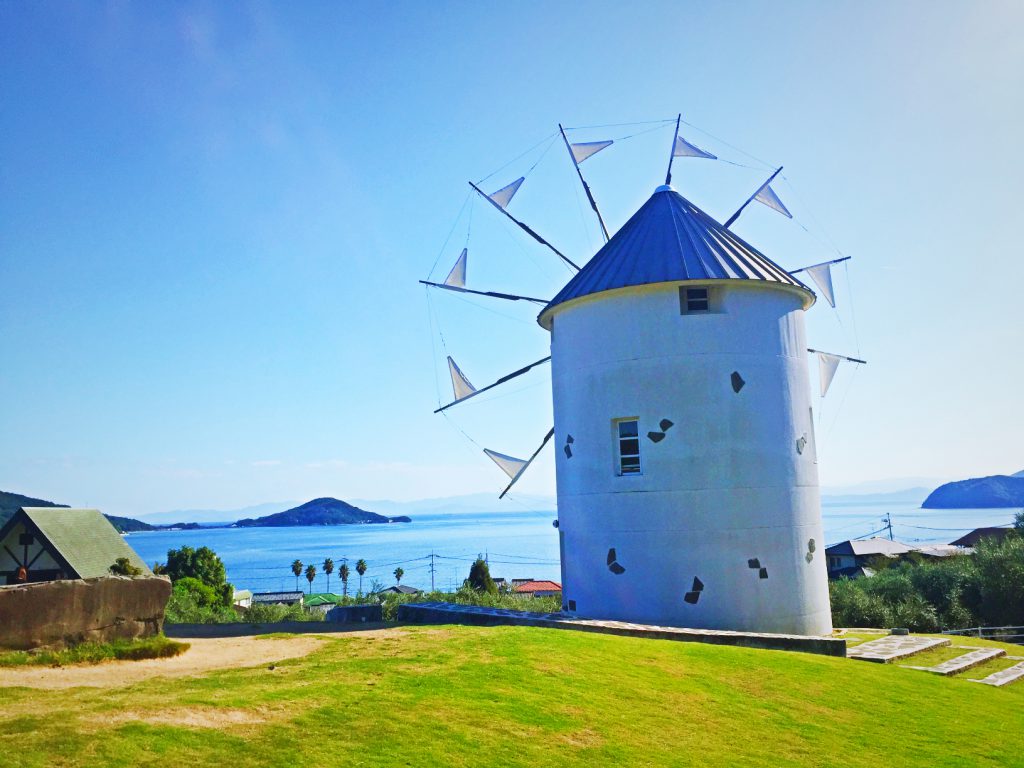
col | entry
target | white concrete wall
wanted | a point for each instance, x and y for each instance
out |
(726, 484)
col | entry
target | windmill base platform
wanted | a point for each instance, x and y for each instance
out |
(450, 613)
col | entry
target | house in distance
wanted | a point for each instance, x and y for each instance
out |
(53, 543)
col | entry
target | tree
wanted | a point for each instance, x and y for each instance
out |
(1018, 521)
(203, 565)
(399, 573)
(297, 570)
(329, 569)
(361, 569)
(343, 572)
(310, 575)
(480, 577)
(123, 567)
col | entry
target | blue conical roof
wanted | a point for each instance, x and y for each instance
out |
(670, 240)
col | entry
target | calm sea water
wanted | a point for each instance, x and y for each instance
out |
(517, 544)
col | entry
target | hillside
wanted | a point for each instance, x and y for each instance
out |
(519, 696)
(996, 491)
(325, 511)
(10, 502)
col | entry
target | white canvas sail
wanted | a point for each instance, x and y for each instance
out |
(684, 148)
(460, 384)
(504, 195)
(457, 277)
(766, 196)
(821, 274)
(510, 465)
(827, 365)
(582, 150)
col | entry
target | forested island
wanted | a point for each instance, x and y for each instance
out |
(993, 492)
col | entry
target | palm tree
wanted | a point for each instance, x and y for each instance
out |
(399, 573)
(328, 569)
(361, 569)
(310, 575)
(343, 572)
(297, 570)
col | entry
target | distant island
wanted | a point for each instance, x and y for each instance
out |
(326, 511)
(993, 492)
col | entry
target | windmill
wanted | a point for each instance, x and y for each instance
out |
(686, 462)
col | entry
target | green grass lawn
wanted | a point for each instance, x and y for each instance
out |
(158, 647)
(516, 696)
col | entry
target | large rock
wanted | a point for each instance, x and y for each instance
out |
(58, 613)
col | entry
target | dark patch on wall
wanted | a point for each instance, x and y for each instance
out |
(801, 443)
(737, 382)
(693, 595)
(656, 437)
(763, 573)
(665, 425)
(568, 450)
(572, 605)
(753, 563)
(811, 546)
(554, 523)
(613, 566)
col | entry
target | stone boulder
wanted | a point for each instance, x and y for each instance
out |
(60, 613)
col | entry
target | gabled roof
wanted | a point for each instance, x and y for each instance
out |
(83, 538)
(671, 240)
(539, 586)
(872, 546)
(401, 589)
(972, 538)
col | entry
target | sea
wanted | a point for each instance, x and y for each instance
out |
(435, 550)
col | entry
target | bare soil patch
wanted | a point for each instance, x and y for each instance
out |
(205, 655)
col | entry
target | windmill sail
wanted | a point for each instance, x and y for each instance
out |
(582, 150)
(683, 148)
(514, 467)
(457, 277)
(504, 195)
(460, 384)
(766, 196)
(827, 365)
(821, 274)
(510, 465)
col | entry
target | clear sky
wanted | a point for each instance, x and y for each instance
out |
(213, 217)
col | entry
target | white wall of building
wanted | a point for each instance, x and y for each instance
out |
(725, 485)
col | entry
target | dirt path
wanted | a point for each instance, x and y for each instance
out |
(205, 655)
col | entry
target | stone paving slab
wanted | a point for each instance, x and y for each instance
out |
(892, 648)
(450, 613)
(1005, 676)
(962, 663)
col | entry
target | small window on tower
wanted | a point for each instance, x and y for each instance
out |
(627, 444)
(694, 300)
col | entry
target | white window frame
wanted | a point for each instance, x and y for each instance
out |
(619, 438)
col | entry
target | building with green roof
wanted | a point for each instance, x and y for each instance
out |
(51, 543)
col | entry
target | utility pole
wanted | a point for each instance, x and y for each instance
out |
(431, 570)
(888, 524)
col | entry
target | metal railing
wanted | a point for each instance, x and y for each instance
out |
(1002, 634)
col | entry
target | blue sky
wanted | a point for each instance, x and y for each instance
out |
(214, 216)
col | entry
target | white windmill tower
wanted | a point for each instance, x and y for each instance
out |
(685, 455)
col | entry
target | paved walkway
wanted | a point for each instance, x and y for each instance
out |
(1006, 676)
(973, 658)
(450, 613)
(892, 648)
